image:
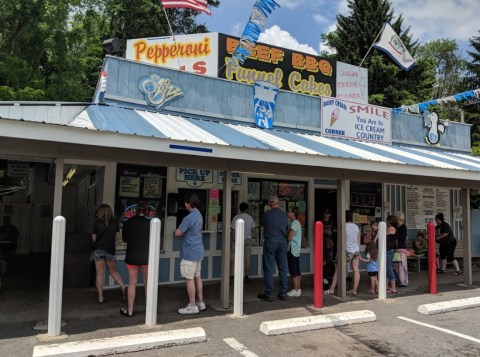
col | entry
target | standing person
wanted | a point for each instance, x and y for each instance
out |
(392, 224)
(9, 234)
(275, 223)
(192, 255)
(448, 244)
(401, 268)
(352, 245)
(247, 240)
(372, 266)
(329, 231)
(105, 232)
(136, 233)
(294, 238)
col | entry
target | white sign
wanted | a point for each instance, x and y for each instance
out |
(197, 53)
(194, 177)
(236, 178)
(349, 120)
(352, 83)
(18, 169)
(423, 203)
(129, 186)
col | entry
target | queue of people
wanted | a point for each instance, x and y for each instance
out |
(281, 250)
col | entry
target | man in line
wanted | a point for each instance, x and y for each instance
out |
(191, 254)
(274, 224)
(247, 243)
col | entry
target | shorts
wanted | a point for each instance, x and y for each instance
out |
(293, 265)
(189, 269)
(352, 256)
(447, 250)
(373, 273)
(130, 266)
(100, 254)
(247, 249)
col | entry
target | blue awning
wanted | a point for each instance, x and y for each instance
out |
(218, 134)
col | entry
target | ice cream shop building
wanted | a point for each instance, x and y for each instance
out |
(175, 117)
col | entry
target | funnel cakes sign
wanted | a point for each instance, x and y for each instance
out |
(358, 121)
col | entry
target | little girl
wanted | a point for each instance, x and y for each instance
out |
(372, 267)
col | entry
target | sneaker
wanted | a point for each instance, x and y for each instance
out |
(282, 297)
(201, 306)
(189, 310)
(295, 293)
(265, 297)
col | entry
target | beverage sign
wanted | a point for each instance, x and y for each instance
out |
(344, 119)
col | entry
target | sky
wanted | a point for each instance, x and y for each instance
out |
(298, 24)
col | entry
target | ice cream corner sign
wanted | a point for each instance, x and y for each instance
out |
(358, 121)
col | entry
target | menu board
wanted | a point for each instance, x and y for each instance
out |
(152, 187)
(423, 203)
(129, 186)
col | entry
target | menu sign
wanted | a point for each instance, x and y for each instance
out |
(129, 186)
(152, 187)
(423, 203)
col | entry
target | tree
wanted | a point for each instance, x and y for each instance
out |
(388, 84)
(472, 80)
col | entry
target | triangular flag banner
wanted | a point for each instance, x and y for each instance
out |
(390, 43)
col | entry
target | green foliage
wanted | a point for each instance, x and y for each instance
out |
(52, 49)
(389, 85)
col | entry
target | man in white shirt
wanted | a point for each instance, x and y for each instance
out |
(248, 230)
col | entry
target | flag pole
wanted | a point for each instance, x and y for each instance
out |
(374, 41)
(173, 36)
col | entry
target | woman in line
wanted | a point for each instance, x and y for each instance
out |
(401, 267)
(136, 233)
(448, 244)
(104, 233)
(391, 245)
(294, 237)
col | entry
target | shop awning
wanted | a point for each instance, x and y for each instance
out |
(186, 132)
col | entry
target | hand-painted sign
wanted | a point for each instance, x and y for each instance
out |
(264, 97)
(434, 127)
(236, 178)
(158, 91)
(194, 177)
(197, 53)
(352, 83)
(343, 119)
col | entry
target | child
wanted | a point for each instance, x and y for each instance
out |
(372, 267)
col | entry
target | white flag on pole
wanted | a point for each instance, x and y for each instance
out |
(391, 43)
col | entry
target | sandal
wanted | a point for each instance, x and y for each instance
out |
(371, 292)
(392, 291)
(327, 292)
(101, 302)
(457, 272)
(441, 271)
(124, 312)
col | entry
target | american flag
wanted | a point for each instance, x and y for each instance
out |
(198, 5)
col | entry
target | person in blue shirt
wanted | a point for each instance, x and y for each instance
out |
(294, 238)
(274, 223)
(191, 229)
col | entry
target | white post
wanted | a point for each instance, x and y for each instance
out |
(382, 260)
(239, 268)
(56, 277)
(152, 280)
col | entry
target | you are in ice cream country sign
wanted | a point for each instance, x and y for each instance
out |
(344, 119)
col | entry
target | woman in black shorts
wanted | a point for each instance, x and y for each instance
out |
(447, 244)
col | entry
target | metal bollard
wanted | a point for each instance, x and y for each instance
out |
(318, 266)
(382, 260)
(56, 277)
(432, 266)
(152, 280)
(239, 268)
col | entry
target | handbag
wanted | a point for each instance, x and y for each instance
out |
(396, 258)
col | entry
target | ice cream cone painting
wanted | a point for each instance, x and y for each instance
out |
(334, 116)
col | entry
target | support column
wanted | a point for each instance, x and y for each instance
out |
(467, 237)
(226, 219)
(109, 181)
(341, 258)
(58, 189)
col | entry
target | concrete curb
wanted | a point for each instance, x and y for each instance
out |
(446, 306)
(300, 324)
(122, 344)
